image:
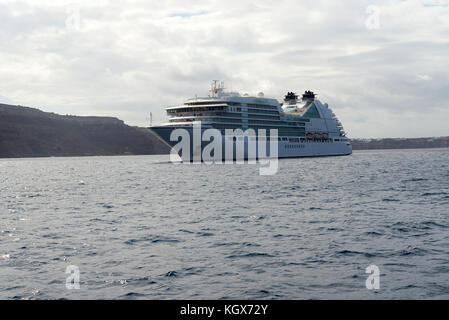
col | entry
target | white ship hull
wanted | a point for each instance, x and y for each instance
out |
(285, 149)
(313, 149)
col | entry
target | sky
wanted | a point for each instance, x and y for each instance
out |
(382, 66)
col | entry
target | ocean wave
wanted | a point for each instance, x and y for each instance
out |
(250, 255)
(152, 239)
(427, 194)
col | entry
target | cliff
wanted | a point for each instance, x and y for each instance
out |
(28, 132)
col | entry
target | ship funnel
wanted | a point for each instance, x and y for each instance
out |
(308, 96)
(290, 96)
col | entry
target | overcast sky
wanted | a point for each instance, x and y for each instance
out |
(383, 66)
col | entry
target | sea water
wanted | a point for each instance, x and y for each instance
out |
(141, 227)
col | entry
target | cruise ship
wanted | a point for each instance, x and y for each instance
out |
(299, 126)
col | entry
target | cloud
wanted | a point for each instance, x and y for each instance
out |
(129, 58)
(187, 14)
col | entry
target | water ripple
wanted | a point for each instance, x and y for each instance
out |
(139, 227)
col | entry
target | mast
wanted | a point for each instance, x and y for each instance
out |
(217, 88)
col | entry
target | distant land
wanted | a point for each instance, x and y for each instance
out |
(400, 143)
(29, 132)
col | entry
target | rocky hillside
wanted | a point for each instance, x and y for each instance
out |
(28, 132)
